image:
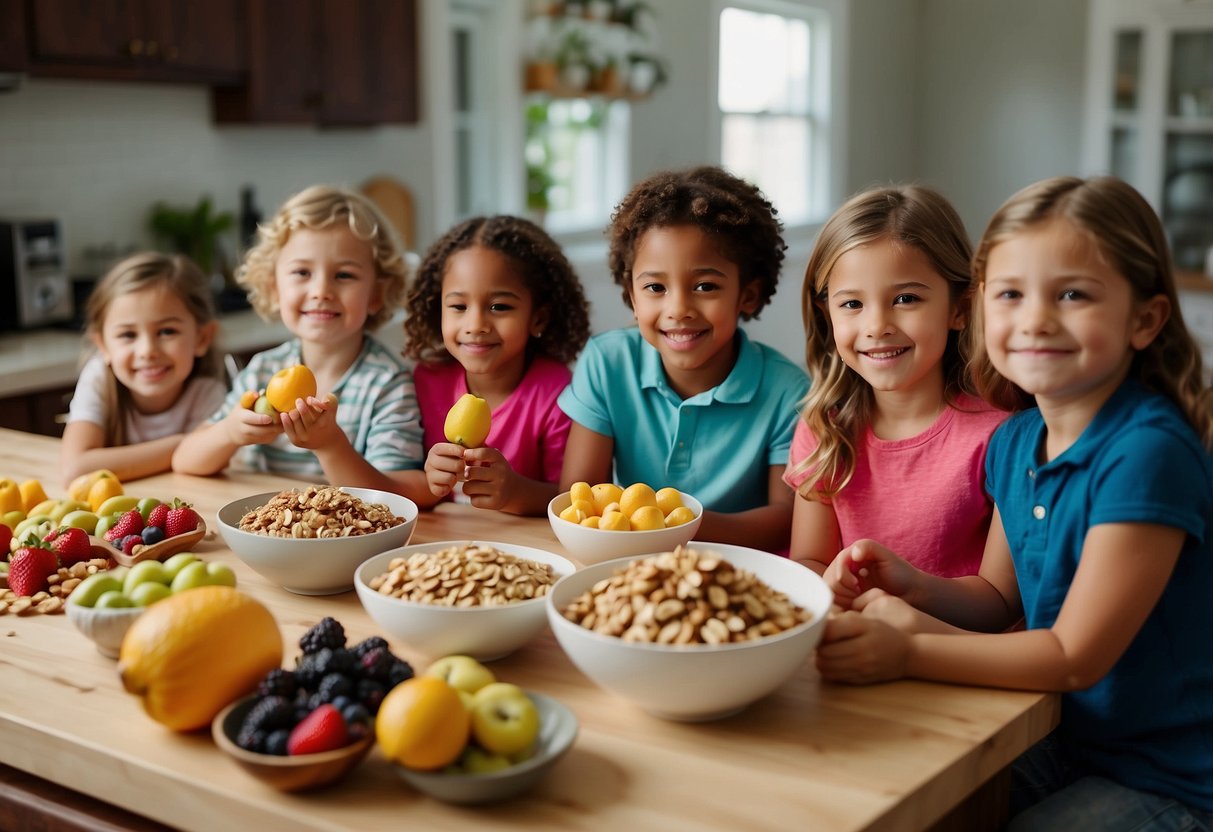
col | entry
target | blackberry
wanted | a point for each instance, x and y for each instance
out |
(307, 671)
(252, 740)
(367, 645)
(401, 671)
(358, 730)
(377, 664)
(328, 632)
(278, 682)
(315, 701)
(334, 685)
(356, 713)
(270, 713)
(275, 743)
(370, 693)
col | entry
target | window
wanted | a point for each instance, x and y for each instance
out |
(774, 91)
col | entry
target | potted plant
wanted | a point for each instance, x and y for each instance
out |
(193, 232)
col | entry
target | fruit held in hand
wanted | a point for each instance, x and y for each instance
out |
(288, 385)
(462, 673)
(468, 421)
(504, 719)
(422, 724)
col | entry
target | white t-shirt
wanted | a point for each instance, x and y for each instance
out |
(202, 397)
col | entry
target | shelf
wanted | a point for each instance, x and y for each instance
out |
(1187, 124)
(1190, 281)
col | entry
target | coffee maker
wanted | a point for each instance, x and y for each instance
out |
(35, 289)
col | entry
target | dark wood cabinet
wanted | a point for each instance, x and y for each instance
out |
(13, 54)
(327, 62)
(139, 40)
(44, 412)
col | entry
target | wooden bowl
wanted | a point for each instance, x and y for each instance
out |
(290, 773)
(102, 548)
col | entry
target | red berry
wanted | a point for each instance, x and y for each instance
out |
(158, 515)
(6, 539)
(129, 523)
(321, 730)
(28, 569)
(72, 546)
(181, 519)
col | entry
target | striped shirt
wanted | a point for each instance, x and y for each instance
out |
(377, 410)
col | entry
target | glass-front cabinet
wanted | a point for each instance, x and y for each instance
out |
(1150, 112)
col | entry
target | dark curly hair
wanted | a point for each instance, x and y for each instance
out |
(730, 210)
(547, 272)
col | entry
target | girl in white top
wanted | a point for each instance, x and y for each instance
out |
(154, 374)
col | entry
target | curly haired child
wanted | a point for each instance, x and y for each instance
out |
(330, 267)
(496, 310)
(686, 399)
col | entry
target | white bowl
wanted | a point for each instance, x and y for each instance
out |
(106, 626)
(557, 730)
(589, 545)
(484, 633)
(695, 682)
(314, 566)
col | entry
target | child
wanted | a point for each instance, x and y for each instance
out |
(497, 311)
(329, 266)
(891, 441)
(155, 375)
(686, 399)
(1103, 529)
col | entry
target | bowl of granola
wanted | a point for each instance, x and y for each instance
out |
(694, 634)
(477, 598)
(310, 540)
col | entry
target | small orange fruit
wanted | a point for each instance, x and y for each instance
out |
(668, 499)
(647, 518)
(606, 493)
(678, 516)
(288, 385)
(636, 495)
(423, 723)
(248, 398)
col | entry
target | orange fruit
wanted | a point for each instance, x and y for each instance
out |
(647, 518)
(288, 385)
(678, 516)
(606, 493)
(423, 724)
(636, 495)
(668, 499)
(32, 494)
(248, 398)
(101, 490)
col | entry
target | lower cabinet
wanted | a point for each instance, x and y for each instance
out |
(44, 412)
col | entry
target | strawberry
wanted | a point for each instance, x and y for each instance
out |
(181, 519)
(6, 539)
(158, 516)
(28, 569)
(322, 730)
(130, 522)
(71, 545)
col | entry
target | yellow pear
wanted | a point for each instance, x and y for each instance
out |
(468, 421)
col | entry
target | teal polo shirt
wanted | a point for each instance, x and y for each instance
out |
(718, 445)
(1149, 722)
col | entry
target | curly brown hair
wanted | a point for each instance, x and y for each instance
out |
(547, 272)
(733, 212)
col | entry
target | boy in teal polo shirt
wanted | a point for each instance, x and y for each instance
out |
(686, 399)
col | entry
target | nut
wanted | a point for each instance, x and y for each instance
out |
(471, 575)
(318, 512)
(684, 597)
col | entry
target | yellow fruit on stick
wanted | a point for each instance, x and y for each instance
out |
(196, 651)
(422, 723)
(32, 494)
(288, 385)
(468, 421)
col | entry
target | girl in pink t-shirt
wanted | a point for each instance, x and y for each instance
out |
(496, 310)
(890, 447)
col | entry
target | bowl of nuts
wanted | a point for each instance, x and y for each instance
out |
(694, 634)
(310, 541)
(477, 598)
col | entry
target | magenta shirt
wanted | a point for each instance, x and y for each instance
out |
(923, 497)
(528, 428)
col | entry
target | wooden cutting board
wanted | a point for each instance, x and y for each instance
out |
(395, 200)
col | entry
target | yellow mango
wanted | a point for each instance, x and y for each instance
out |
(606, 493)
(678, 516)
(102, 490)
(10, 497)
(32, 494)
(581, 491)
(615, 521)
(79, 488)
(647, 518)
(468, 421)
(636, 496)
(668, 499)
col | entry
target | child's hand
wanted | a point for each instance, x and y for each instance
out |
(878, 604)
(488, 478)
(444, 467)
(858, 649)
(864, 565)
(313, 423)
(247, 427)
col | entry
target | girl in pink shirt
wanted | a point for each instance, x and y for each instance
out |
(890, 447)
(496, 310)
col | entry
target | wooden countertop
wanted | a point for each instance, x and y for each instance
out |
(811, 756)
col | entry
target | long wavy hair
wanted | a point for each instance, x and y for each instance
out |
(1127, 232)
(136, 273)
(317, 208)
(839, 405)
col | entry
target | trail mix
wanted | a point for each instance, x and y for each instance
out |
(471, 575)
(318, 512)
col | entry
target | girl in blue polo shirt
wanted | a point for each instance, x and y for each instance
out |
(1101, 536)
(685, 399)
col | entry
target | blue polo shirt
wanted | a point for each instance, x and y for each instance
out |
(1149, 723)
(718, 445)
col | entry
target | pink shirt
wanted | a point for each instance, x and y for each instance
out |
(528, 428)
(923, 497)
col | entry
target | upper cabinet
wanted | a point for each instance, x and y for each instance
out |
(327, 62)
(138, 40)
(1150, 111)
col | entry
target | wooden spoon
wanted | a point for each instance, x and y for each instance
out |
(102, 548)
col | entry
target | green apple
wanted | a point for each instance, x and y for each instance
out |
(80, 519)
(178, 562)
(145, 506)
(148, 593)
(120, 572)
(32, 522)
(12, 518)
(263, 406)
(144, 571)
(113, 600)
(93, 587)
(66, 507)
(504, 719)
(192, 575)
(104, 521)
(220, 574)
(478, 761)
(461, 672)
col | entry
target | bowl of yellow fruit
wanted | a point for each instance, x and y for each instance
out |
(600, 522)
